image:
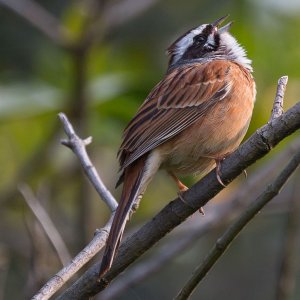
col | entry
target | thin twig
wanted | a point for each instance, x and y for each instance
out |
(225, 240)
(47, 224)
(220, 214)
(278, 102)
(78, 146)
(41, 19)
(257, 146)
(290, 255)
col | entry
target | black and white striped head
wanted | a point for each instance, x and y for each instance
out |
(208, 42)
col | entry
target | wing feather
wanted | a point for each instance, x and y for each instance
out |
(179, 100)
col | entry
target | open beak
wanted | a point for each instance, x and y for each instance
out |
(218, 22)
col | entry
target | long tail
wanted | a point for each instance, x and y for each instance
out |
(131, 190)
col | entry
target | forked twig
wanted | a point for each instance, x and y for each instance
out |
(78, 146)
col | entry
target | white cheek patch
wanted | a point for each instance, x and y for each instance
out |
(236, 51)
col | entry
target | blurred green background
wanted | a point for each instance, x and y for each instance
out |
(110, 55)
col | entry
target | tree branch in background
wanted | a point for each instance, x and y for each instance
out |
(46, 223)
(218, 214)
(290, 254)
(230, 234)
(41, 19)
(258, 145)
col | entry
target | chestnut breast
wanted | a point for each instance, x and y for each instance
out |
(218, 132)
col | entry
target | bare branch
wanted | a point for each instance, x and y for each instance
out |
(47, 224)
(41, 19)
(60, 278)
(225, 240)
(78, 147)
(258, 145)
(278, 102)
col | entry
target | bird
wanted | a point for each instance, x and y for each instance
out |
(189, 123)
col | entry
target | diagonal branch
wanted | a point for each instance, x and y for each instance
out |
(230, 234)
(257, 146)
(219, 214)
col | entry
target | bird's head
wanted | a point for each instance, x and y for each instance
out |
(207, 42)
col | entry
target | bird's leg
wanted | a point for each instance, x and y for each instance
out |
(183, 188)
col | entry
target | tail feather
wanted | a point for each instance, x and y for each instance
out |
(132, 185)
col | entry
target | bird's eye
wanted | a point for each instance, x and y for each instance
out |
(199, 39)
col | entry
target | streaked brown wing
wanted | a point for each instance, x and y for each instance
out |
(179, 100)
